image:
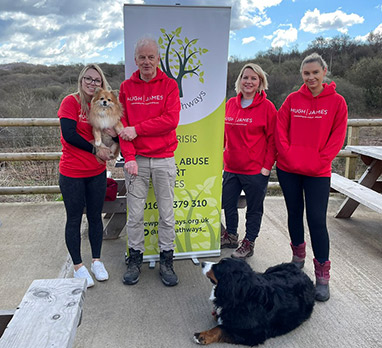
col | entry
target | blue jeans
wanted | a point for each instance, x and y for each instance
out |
(162, 172)
(79, 193)
(255, 189)
(313, 193)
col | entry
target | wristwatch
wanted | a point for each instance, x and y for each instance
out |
(94, 150)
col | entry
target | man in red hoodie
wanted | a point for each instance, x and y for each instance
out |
(151, 106)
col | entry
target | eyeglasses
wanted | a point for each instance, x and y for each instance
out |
(88, 80)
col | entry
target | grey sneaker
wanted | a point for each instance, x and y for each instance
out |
(244, 250)
(83, 273)
(99, 271)
(166, 270)
(135, 260)
(228, 240)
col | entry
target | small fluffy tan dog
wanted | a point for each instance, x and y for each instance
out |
(106, 112)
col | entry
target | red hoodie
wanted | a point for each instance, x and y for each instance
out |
(310, 131)
(248, 135)
(153, 108)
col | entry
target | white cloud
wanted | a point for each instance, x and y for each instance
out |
(63, 32)
(247, 40)
(44, 33)
(315, 21)
(377, 30)
(283, 37)
(247, 13)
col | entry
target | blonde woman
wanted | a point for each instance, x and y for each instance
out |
(311, 128)
(249, 155)
(83, 173)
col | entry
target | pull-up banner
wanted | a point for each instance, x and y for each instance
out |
(193, 43)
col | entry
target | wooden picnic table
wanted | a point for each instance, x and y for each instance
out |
(365, 190)
(115, 213)
(47, 316)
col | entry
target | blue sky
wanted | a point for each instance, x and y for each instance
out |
(85, 31)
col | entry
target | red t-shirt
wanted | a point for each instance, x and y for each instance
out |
(74, 162)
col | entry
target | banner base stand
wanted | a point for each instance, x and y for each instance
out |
(151, 259)
(195, 261)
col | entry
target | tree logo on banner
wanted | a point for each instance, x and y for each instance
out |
(181, 58)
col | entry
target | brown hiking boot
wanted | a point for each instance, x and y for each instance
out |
(228, 240)
(245, 249)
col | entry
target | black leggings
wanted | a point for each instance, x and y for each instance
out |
(255, 189)
(78, 193)
(316, 191)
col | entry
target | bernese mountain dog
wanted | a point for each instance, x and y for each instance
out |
(251, 307)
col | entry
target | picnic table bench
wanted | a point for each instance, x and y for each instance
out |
(47, 316)
(365, 190)
(115, 213)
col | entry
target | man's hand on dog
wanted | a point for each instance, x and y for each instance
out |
(128, 133)
(131, 167)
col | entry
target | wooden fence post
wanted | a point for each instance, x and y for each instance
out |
(351, 162)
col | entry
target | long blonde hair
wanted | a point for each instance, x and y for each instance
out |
(80, 93)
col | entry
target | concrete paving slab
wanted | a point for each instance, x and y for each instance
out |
(32, 247)
(149, 314)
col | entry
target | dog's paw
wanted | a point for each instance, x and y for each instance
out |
(198, 338)
(211, 336)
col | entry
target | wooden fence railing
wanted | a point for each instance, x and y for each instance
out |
(352, 139)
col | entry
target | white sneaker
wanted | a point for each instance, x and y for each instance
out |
(99, 271)
(83, 273)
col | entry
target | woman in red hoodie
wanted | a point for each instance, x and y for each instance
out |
(310, 131)
(249, 155)
(83, 173)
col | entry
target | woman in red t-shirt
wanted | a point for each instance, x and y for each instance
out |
(83, 173)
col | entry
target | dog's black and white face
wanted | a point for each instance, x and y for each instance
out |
(225, 268)
(208, 272)
(231, 279)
